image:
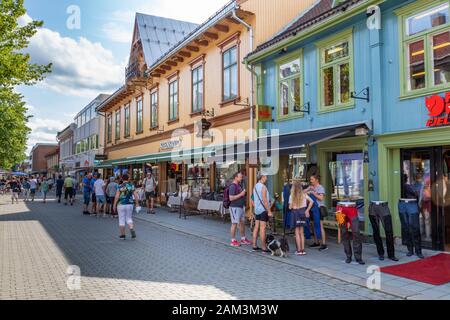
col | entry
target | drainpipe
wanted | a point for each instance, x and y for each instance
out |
(252, 82)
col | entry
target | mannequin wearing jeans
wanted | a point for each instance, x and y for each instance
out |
(409, 217)
(351, 213)
(379, 212)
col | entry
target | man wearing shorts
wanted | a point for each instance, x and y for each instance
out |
(150, 192)
(94, 197)
(86, 192)
(99, 190)
(33, 187)
(237, 210)
(68, 190)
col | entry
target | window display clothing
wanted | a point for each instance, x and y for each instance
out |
(409, 219)
(379, 213)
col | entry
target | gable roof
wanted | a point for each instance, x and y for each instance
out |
(322, 10)
(159, 34)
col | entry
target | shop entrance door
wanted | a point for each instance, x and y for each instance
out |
(425, 177)
(445, 206)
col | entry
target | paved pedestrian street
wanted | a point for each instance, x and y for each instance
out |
(38, 243)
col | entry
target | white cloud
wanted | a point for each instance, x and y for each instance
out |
(24, 20)
(121, 22)
(43, 131)
(80, 67)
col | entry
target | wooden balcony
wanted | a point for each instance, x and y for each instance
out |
(135, 75)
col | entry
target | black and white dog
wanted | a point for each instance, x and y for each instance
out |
(279, 247)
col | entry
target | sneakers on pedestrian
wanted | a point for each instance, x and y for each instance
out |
(348, 260)
(235, 243)
(256, 249)
(246, 242)
(361, 262)
(410, 254)
(314, 245)
(420, 256)
(133, 234)
(266, 251)
(298, 253)
(122, 237)
(323, 248)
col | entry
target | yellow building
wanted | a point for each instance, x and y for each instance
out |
(187, 95)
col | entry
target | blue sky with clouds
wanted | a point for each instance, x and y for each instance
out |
(89, 60)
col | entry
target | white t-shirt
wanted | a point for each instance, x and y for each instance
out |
(33, 184)
(98, 187)
(149, 184)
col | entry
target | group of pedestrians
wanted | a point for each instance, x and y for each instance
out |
(113, 197)
(28, 186)
(301, 206)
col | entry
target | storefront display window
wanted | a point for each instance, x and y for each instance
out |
(347, 173)
(138, 173)
(198, 179)
(225, 172)
(174, 177)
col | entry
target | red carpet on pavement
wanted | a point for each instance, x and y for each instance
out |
(434, 270)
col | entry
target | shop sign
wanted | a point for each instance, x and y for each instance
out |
(101, 157)
(438, 110)
(264, 113)
(170, 144)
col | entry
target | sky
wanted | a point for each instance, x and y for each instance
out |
(88, 43)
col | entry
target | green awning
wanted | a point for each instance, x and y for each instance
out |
(179, 155)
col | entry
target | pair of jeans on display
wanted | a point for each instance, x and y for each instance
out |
(409, 218)
(351, 214)
(379, 212)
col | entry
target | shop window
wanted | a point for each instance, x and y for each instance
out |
(198, 178)
(336, 71)
(173, 100)
(197, 89)
(127, 120)
(425, 41)
(347, 177)
(289, 85)
(154, 109)
(139, 115)
(225, 172)
(230, 73)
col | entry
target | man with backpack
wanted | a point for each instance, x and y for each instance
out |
(234, 199)
(150, 185)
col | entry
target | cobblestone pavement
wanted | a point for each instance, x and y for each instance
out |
(38, 242)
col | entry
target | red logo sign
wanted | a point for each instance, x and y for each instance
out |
(438, 110)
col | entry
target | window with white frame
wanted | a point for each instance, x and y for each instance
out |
(289, 86)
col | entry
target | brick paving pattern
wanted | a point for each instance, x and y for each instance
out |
(39, 241)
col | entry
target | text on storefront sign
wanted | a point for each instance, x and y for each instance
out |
(438, 110)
